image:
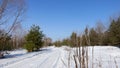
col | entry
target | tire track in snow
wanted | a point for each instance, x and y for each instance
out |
(22, 58)
(58, 59)
(52, 61)
(49, 59)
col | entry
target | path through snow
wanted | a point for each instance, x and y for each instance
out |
(48, 58)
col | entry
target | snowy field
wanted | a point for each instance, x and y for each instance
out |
(57, 57)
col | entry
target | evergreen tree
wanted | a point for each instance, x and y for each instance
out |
(105, 39)
(93, 37)
(84, 42)
(34, 39)
(73, 39)
(114, 32)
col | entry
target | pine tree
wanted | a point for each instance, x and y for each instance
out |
(34, 39)
(93, 37)
(73, 39)
(114, 32)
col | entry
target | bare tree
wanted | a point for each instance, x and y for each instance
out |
(11, 14)
(47, 41)
(100, 28)
(18, 36)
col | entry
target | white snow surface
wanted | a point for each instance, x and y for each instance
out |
(57, 57)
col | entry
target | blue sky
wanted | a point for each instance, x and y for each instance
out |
(59, 18)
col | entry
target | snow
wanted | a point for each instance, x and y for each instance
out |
(48, 58)
(58, 57)
(103, 57)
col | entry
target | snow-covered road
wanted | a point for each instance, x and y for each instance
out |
(48, 58)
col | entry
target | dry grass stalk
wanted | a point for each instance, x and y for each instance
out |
(69, 60)
(76, 66)
(115, 63)
(92, 57)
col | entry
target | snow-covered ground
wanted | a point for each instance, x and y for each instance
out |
(106, 57)
(102, 57)
(57, 57)
(49, 57)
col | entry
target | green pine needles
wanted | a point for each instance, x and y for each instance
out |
(34, 39)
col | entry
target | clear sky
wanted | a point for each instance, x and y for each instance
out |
(59, 18)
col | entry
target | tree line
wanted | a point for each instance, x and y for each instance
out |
(98, 35)
(33, 40)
